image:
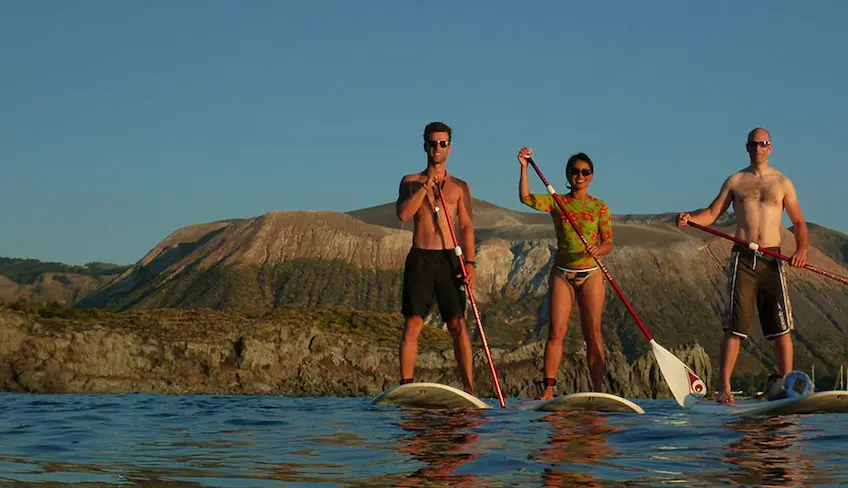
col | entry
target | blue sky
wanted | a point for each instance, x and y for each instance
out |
(122, 121)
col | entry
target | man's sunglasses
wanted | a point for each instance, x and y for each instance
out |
(580, 171)
(758, 143)
(431, 144)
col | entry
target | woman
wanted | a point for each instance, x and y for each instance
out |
(575, 275)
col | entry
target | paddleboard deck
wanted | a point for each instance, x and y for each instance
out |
(598, 402)
(821, 402)
(427, 396)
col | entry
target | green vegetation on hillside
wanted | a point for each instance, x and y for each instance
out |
(297, 283)
(56, 310)
(334, 284)
(27, 271)
(377, 327)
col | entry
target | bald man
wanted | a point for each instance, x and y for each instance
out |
(759, 194)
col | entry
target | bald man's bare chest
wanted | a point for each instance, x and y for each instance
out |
(759, 191)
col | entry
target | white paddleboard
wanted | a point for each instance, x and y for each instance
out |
(428, 396)
(821, 402)
(598, 402)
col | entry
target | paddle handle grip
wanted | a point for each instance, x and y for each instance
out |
(558, 199)
(458, 250)
(768, 252)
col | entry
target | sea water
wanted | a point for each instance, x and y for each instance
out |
(239, 441)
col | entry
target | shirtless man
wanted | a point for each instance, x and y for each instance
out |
(432, 267)
(759, 194)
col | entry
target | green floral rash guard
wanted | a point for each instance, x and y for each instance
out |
(592, 216)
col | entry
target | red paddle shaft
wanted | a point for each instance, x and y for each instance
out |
(755, 247)
(458, 251)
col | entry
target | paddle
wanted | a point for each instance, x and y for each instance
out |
(684, 384)
(755, 247)
(458, 250)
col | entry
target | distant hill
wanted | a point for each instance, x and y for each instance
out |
(306, 258)
(28, 271)
(831, 242)
(486, 215)
(44, 281)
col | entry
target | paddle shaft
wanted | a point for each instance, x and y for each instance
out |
(558, 199)
(766, 251)
(459, 255)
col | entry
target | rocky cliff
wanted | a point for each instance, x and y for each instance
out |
(289, 352)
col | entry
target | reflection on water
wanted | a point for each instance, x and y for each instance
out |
(771, 452)
(443, 441)
(577, 438)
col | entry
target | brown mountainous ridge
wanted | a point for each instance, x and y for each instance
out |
(674, 278)
(34, 280)
(831, 242)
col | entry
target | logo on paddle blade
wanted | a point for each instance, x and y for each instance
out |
(696, 385)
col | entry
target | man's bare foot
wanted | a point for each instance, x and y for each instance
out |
(547, 393)
(724, 397)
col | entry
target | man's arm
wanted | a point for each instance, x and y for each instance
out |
(466, 230)
(709, 215)
(410, 197)
(799, 227)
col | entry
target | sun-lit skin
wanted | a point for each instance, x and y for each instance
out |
(590, 296)
(419, 198)
(759, 195)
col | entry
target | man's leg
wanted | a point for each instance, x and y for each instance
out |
(776, 314)
(743, 305)
(450, 296)
(409, 346)
(729, 353)
(462, 352)
(783, 353)
(417, 297)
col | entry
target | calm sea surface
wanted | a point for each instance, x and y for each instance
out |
(229, 441)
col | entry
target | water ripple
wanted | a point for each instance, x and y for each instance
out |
(161, 440)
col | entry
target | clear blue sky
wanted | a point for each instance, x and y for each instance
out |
(122, 121)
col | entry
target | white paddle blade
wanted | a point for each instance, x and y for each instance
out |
(684, 384)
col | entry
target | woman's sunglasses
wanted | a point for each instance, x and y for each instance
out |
(580, 171)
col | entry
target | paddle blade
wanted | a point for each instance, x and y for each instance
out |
(684, 384)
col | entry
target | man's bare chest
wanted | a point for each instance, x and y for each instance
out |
(435, 200)
(759, 191)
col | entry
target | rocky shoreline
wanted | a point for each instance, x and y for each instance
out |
(287, 352)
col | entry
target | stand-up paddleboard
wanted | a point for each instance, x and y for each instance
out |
(597, 402)
(428, 396)
(822, 402)
(790, 395)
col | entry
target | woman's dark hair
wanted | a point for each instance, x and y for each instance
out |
(578, 157)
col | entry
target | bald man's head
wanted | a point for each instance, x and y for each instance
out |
(759, 134)
(758, 145)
